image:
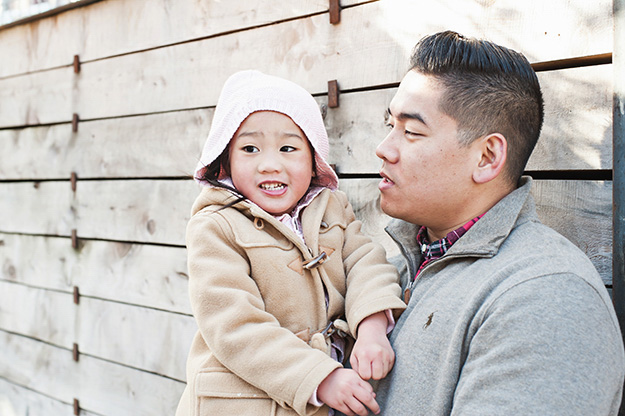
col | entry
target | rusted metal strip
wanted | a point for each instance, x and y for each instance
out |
(75, 352)
(76, 295)
(335, 12)
(333, 94)
(74, 239)
(75, 120)
(76, 64)
(589, 60)
(76, 407)
(72, 180)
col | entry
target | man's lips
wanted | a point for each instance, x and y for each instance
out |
(385, 177)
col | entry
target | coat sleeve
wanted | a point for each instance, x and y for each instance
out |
(232, 320)
(372, 282)
(546, 346)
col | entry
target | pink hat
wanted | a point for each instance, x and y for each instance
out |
(249, 91)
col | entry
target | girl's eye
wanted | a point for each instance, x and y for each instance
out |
(389, 126)
(249, 149)
(287, 149)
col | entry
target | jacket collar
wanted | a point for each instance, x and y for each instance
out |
(486, 236)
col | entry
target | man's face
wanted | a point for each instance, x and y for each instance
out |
(426, 172)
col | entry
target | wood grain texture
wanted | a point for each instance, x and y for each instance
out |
(157, 145)
(577, 135)
(37, 208)
(101, 387)
(157, 211)
(136, 274)
(147, 24)
(369, 47)
(116, 332)
(17, 401)
(582, 212)
(53, 42)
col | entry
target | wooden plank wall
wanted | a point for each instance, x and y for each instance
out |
(150, 74)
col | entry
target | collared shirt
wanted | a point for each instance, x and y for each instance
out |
(436, 250)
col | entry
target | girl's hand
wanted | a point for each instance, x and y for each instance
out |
(346, 392)
(372, 356)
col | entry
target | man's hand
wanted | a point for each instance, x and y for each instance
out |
(372, 356)
(346, 392)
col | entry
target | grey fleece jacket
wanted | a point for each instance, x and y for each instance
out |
(513, 320)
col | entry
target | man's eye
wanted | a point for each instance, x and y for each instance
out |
(389, 125)
(287, 149)
(250, 149)
(410, 133)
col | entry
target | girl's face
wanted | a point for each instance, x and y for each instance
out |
(271, 163)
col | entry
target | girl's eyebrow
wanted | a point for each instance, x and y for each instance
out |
(250, 133)
(288, 134)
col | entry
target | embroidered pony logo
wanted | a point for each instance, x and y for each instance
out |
(429, 321)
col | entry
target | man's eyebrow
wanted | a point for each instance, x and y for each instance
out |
(406, 116)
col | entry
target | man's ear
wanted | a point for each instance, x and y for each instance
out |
(493, 151)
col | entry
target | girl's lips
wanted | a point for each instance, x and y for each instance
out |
(273, 188)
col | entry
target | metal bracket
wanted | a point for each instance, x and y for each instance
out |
(74, 239)
(72, 180)
(333, 94)
(75, 120)
(76, 407)
(76, 295)
(76, 64)
(75, 352)
(335, 12)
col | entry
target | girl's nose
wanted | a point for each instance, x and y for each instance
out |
(386, 150)
(270, 162)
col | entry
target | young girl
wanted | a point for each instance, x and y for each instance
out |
(276, 262)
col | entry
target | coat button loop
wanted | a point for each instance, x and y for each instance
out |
(407, 296)
(259, 223)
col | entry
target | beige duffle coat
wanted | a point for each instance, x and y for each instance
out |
(251, 294)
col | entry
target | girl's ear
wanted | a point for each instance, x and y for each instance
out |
(492, 153)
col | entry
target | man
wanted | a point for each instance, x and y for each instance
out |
(504, 316)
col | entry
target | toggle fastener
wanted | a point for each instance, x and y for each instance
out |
(317, 261)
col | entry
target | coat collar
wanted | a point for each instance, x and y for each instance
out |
(486, 236)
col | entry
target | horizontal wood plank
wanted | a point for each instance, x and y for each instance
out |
(151, 211)
(577, 135)
(42, 314)
(579, 210)
(577, 132)
(37, 208)
(137, 274)
(147, 24)
(158, 145)
(369, 47)
(156, 211)
(582, 212)
(101, 387)
(18, 401)
(113, 331)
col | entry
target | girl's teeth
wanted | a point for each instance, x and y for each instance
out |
(272, 186)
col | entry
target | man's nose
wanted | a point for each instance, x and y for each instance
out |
(386, 150)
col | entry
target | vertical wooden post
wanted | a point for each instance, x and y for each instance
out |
(618, 166)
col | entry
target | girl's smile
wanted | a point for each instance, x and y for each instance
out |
(271, 162)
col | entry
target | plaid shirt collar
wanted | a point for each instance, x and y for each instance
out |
(436, 250)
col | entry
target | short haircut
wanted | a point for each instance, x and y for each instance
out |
(488, 89)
